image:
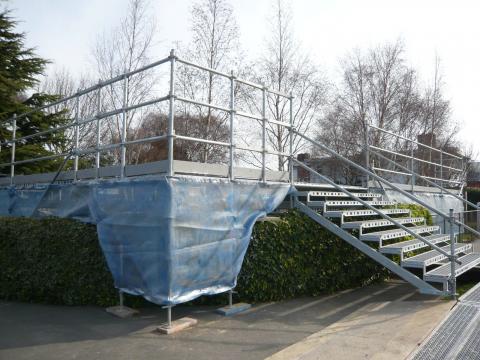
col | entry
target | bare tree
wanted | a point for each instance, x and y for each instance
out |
(286, 69)
(215, 44)
(125, 48)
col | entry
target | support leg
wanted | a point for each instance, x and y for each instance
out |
(232, 309)
(171, 327)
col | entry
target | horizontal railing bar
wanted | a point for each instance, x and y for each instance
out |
(414, 158)
(201, 103)
(220, 73)
(409, 174)
(269, 152)
(212, 142)
(95, 87)
(91, 119)
(432, 183)
(413, 141)
(250, 116)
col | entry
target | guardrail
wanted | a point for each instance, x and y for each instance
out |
(170, 136)
(421, 162)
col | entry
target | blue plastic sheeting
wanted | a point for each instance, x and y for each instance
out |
(167, 239)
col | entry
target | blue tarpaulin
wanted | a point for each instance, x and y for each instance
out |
(167, 239)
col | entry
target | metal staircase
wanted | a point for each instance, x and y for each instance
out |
(409, 247)
(385, 238)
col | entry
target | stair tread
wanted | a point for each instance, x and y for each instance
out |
(396, 233)
(442, 273)
(380, 222)
(414, 244)
(433, 256)
(356, 203)
(353, 213)
(337, 194)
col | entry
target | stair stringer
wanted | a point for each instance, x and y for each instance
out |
(424, 287)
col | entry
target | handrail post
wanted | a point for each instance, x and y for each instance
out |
(14, 148)
(171, 117)
(367, 153)
(412, 166)
(290, 161)
(77, 137)
(123, 150)
(453, 279)
(264, 133)
(231, 175)
(97, 152)
(441, 172)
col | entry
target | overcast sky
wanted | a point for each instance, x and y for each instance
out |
(64, 30)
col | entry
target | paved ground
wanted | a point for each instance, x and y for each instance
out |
(355, 324)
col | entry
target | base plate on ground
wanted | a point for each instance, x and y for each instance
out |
(122, 312)
(234, 309)
(177, 325)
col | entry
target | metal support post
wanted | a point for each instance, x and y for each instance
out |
(264, 134)
(77, 136)
(367, 154)
(290, 151)
(121, 296)
(453, 279)
(230, 298)
(169, 316)
(441, 172)
(124, 127)
(412, 166)
(231, 175)
(478, 217)
(97, 153)
(171, 116)
(14, 148)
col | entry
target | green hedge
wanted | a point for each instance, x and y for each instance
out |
(59, 261)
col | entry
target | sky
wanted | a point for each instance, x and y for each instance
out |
(64, 31)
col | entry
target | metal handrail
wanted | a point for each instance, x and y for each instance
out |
(76, 123)
(366, 204)
(414, 158)
(391, 185)
(409, 174)
(414, 141)
(465, 201)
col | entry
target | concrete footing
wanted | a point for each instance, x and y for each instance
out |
(233, 309)
(122, 312)
(177, 325)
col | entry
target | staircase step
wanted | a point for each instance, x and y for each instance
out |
(337, 194)
(442, 273)
(415, 244)
(398, 233)
(433, 256)
(347, 203)
(355, 213)
(368, 224)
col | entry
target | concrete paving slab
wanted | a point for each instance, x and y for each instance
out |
(41, 332)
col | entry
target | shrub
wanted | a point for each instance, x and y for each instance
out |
(59, 261)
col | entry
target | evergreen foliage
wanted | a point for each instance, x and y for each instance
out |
(19, 72)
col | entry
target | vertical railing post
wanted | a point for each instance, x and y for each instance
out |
(264, 134)
(14, 148)
(291, 134)
(441, 172)
(97, 153)
(171, 116)
(123, 148)
(231, 175)
(367, 153)
(453, 279)
(412, 165)
(77, 137)
(478, 217)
